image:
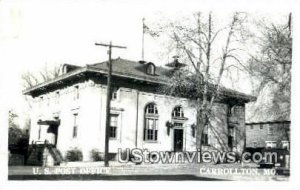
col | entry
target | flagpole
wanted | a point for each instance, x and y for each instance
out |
(143, 20)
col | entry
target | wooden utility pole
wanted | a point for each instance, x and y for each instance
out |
(108, 98)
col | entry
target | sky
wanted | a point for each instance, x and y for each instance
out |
(33, 34)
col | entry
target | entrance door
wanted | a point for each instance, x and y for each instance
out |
(53, 131)
(178, 140)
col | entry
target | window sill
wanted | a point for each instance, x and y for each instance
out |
(150, 141)
(179, 119)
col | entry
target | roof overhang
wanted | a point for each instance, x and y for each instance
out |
(58, 80)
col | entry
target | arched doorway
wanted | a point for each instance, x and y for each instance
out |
(178, 129)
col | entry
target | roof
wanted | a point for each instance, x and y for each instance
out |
(134, 70)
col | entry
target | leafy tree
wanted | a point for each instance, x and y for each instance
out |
(18, 139)
(271, 68)
(14, 132)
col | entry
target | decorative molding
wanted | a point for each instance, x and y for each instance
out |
(116, 109)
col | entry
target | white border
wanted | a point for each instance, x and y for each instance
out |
(216, 5)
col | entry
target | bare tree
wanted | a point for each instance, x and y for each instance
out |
(30, 79)
(208, 58)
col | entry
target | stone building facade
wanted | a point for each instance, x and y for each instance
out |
(69, 112)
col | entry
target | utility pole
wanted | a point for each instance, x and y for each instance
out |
(108, 98)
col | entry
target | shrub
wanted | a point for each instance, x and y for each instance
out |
(74, 155)
(96, 155)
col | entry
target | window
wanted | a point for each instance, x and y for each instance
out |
(41, 101)
(231, 136)
(76, 92)
(75, 126)
(261, 126)
(150, 69)
(48, 101)
(251, 126)
(204, 139)
(151, 129)
(151, 109)
(57, 97)
(193, 130)
(113, 126)
(39, 132)
(114, 94)
(270, 130)
(177, 112)
(151, 122)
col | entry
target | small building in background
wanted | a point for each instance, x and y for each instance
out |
(268, 134)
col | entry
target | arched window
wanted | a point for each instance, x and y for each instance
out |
(177, 112)
(178, 116)
(150, 70)
(151, 122)
(151, 109)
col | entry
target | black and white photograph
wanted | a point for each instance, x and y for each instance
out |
(147, 91)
